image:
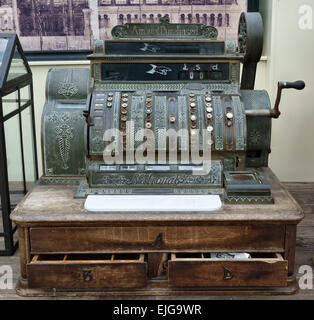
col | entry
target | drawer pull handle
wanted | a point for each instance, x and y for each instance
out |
(158, 241)
(87, 275)
(228, 275)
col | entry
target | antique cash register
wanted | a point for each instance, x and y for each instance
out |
(156, 177)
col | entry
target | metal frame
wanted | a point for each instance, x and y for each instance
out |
(74, 55)
(7, 87)
(253, 6)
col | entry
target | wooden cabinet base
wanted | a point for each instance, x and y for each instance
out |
(155, 289)
(66, 251)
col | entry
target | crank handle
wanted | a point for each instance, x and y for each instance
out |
(88, 118)
(298, 85)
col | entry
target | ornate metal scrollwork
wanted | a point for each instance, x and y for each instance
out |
(242, 36)
(119, 31)
(250, 36)
(68, 89)
(209, 32)
(64, 133)
(164, 29)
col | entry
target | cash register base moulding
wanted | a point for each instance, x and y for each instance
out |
(66, 251)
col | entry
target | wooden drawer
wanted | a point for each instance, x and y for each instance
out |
(199, 270)
(87, 272)
(157, 238)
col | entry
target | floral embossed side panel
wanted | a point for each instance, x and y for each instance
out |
(64, 129)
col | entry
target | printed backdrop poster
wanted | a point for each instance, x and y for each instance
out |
(45, 25)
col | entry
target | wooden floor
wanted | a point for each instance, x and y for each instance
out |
(303, 193)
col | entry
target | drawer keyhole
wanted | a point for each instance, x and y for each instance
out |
(228, 275)
(87, 275)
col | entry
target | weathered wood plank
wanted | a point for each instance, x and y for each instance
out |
(215, 273)
(290, 244)
(304, 256)
(87, 275)
(50, 204)
(198, 238)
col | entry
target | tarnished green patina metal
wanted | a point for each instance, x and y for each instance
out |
(247, 186)
(165, 47)
(250, 40)
(85, 190)
(162, 177)
(108, 118)
(157, 86)
(164, 29)
(63, 124)
(258, 128)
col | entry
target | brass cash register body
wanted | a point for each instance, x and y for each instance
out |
(189, 88)
(165, 79)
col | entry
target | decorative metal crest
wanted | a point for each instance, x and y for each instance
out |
(164, 29)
